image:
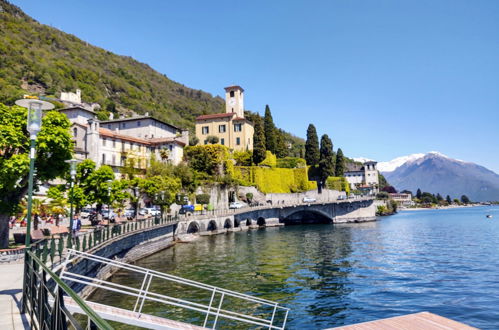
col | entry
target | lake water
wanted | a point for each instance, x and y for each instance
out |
(442, 261)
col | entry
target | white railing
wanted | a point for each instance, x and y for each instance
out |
(276, 313)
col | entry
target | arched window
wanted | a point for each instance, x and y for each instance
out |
(75, 132)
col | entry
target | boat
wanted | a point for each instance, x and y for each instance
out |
(489, 216)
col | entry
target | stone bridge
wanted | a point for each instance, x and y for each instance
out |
(358, 210)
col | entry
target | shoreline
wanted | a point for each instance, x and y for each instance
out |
(437, 208)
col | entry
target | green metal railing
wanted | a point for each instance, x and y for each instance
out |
(43, 300)
(44, 291)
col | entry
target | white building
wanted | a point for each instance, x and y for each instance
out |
(363, 177)
(126, 140)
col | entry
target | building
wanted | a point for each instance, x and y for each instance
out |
(124, 141)
(402, 199)
(231, 128)
(363, 177)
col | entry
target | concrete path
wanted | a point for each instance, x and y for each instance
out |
(11, 282)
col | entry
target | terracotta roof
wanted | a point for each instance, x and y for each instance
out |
(234, 87)
(167, 140)
(215, 116)
(109, 133)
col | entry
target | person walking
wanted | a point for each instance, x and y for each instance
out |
(76, 225)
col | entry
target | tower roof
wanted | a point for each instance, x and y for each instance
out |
(228, 88)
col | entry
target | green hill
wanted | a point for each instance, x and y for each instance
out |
(40, 59)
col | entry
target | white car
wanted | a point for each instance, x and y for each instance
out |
(309, 200)
(153, 211)
(236, 205)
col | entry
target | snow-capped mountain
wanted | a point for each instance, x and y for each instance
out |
(437, 173)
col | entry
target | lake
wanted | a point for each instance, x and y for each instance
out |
(442, 261)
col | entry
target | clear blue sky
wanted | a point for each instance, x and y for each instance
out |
(383, 78)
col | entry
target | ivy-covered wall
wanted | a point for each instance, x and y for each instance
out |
(274, 180)
(338, 183)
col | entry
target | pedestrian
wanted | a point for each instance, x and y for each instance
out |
(76, 225)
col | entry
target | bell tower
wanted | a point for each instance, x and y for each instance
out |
(234, 100)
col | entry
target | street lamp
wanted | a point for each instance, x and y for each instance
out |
(34, 125)
(72, 172)
(109, 203)
(136, 189)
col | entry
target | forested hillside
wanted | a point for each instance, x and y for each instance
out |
(43, 60)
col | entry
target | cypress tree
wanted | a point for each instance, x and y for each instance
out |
(449, 201)
(419, 194)
(312, 154)
(270, 131)
(258, 141)
(281, 147)
(340, 163)
(326, 162)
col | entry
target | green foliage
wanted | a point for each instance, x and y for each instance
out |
(382, 195)
(203, 199)
(338, 183)
(212, 139)
(291, 162)
(193, 140)
(207, 158)
(418, 194)
(274, 180)
(281, 145)
(102, 115)
(465, 199)
(340, 163)
(448, 199)
(243, 158)
(258, 141)
(270, 160)
(249, 197)
(312, 154)
(270, 131)
(41, 58)
(326, 162)
(161, 189)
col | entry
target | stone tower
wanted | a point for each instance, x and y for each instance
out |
(93, 141)
(234, 100)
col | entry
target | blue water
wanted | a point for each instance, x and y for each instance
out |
(442, 261)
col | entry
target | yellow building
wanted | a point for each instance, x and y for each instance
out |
(231, 128)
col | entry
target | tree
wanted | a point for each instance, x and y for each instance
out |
(281, 147)
(439, 197)
(405, 191)
(312, 154)
(418, 194)
(269, 131)
(193, 140)
(212, 139)
(203, 199)
(258, 142)
(465, 199)
(162, 190)
(97, 186)
(54, 146)
(326, 162)
(449, 200)
(389, 189)
(340, 163)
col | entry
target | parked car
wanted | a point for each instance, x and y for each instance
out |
(342, 197)
(143, 211)
(129, 213)
(186, 209)
(309, 200)
(85, 212)
(153, 211)
(236, 205)
(109, 214)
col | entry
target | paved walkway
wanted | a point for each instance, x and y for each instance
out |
(11, 282)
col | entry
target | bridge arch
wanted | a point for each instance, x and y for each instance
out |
(261, 221)
(227, 224)
(193, 227)
(248, 222)
(309, 216)
(212, 226)
(237, 223)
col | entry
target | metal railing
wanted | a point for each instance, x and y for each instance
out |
(43, 299)
(213, 311)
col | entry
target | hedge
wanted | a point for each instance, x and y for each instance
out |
(338, 183)
(291, 162)
(274, 180)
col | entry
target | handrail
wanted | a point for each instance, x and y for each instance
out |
(39, 307)
(144, 294)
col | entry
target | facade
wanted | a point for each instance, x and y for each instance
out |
(124, 141)
(363, 177)
(232, 128)
(402, 199)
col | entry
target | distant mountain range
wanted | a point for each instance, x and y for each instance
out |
(437, 173)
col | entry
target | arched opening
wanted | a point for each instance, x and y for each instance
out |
(260, 221)
(212, 226)
(307, 217)
(236, 223)
(248, 222)
(227, 224)
(193, 228)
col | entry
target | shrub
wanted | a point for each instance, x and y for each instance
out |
(270, 160)
(274, 180)
(203, 199)
(338, 183)
(291, 162)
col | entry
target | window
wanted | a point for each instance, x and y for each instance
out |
(205, 141)
(104, 142)
(170, 147)
(122, 145)
(221, 128)
(108, 126)
(222, 141)
(237, 127)
(138, 123)
(123, 125)
(205, 130)
(231, 93)
(114, 143)
(75, 132)
(114, 159)
(238, 141)
(103, 159)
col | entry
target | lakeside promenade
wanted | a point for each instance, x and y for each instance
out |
(11, 290)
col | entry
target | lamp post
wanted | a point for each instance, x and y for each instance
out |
(109, 203)
(34, 126)
(136, 189)
(72, 172)
(162, 206)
